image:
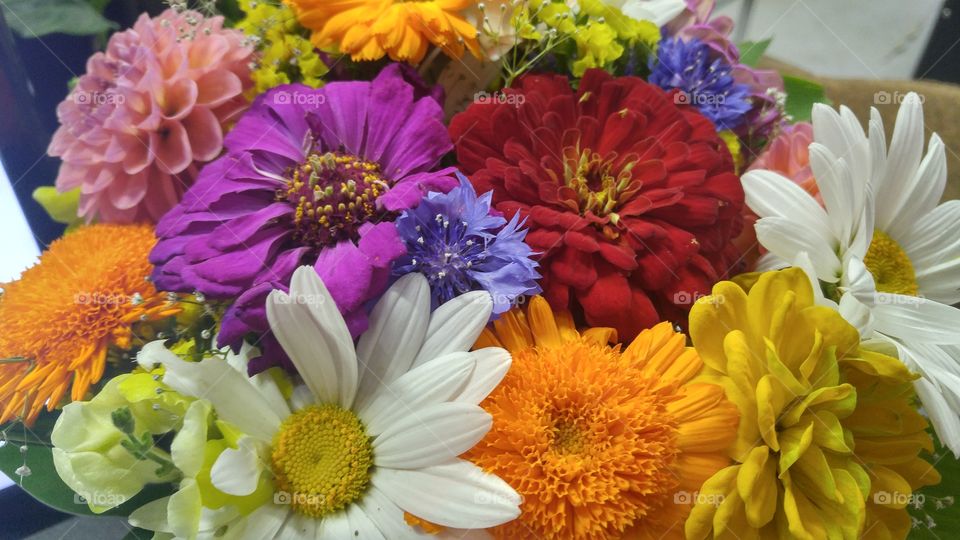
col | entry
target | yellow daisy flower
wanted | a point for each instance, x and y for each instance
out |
(371, 29)
(600, 442)
(828, 444)
(62, 316)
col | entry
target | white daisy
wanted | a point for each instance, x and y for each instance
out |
(374, 432)
(880, 249)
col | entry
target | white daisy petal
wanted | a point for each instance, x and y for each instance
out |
(903, 158)
(433, 382)
(237, 470)
(457, 494)
(232, 395)
(431, 435)
(922, 190)
(917, 319)
(264, 522)
(264, 382)
(492, 365)
(786, 239)
(456, 325)
(842, 199)
(361, 526)
(301, 527)
(842, 134)
(858, 281)
(769, 194)
(398, 325)
(326, 360)
(856, 313)
(878, 149)
(388, 516)
(334, 527)
(769, 261)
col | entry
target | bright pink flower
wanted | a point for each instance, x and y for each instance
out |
(148, 111)
(789, 155)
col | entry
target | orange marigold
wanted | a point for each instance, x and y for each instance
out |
(370, 29)
(58, 321)
(600, 442)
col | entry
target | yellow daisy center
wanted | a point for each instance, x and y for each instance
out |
(321, 459)
(891, 267)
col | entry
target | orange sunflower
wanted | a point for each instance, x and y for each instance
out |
(600, 442)
(60, 318)
(371, 29)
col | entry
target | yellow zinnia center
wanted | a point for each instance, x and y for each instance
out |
(891, 267)
(321, 459)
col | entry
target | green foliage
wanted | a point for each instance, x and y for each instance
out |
(801, 96)
(751, 51)
(934, 508)
(38, 18)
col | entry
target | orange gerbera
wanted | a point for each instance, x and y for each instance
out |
(601, 443)
(60, 318)
(370, 29)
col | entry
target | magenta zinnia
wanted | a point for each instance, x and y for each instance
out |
(311, 176)
(148, 111)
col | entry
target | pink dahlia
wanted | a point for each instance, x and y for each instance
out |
(148, 111)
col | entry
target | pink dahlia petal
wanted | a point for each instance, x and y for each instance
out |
(148, 112)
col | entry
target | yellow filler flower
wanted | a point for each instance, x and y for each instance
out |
(371, 29)
(58, 321)
(600, 442)
(829, 441)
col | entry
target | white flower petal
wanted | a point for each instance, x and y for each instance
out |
(398, 326)
(388, 516)
(301, 398)
(857, 314)
(431, 435)
(188, 445)
(903, 158)
(492, 365)
(933, 246)
(433, 382)
(361, 526)
(311, 330)
(264, 382)
(858, 281)
(457, 494)
(237, 470)
(301, 527)
(769, 261)
(842, 134)
(264, 522)
(842, 195)
(232, 395)
(456, 325)
(659, 12)
(785, 239)
(944, 418)
(769, 194)
(911, 318)
(921, 191)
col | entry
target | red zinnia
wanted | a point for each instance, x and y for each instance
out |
(631, 198)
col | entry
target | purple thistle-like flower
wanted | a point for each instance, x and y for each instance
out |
(310, 176)
(706, 81)
(460, 245)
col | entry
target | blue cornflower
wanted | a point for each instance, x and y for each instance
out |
(455, 241)
(707, 83)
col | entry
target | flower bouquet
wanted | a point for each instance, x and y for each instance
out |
(515, 269)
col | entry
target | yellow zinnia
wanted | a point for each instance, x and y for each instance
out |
(828, 441)
(371, 29)
(600, 442)
(60, 319)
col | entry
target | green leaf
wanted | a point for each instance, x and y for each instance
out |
(938, 505)
(33, 18)
(751, 51)
(45, 485)
(801, 95)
